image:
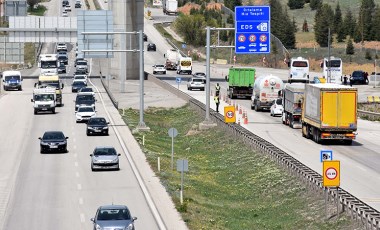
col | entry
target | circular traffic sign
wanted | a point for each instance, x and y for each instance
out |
(252, 38)
(172, 132)
(230, 114)
(263, 38)
(331, 173)
(241, 38)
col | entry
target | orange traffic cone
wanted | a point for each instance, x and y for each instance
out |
(240, 110)
(236, 107)
(246, 119)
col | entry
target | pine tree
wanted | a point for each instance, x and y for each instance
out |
(281, 25)
(349, 24)
(376, 24)
(366, 12)
(305, 26)
(296, 4)
(337, 18)
(323, 17)
(350, 47)
(315, 4)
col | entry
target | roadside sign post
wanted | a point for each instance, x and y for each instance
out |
(182, 166)
(229, 114)
(331, 178)
(178, 80)
(252, 29)
(172, 133)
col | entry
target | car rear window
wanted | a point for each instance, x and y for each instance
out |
(198, 80)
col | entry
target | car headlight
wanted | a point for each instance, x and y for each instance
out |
(76, 105)
(78, 116)
(93, 105)
(115, 160)
(44, 143)
(93, 115)
(89, 127)
(62, 143)
(95, 160)
(105, 127)
(97, 227)
(130, 227)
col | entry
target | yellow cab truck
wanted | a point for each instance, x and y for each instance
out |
(329, 112)
(52, 81)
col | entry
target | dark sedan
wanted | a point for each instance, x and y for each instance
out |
(77, 85)
(151, 46)
(53, 141)
(97, 125)
(113, 217)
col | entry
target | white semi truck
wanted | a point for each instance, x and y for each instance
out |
(48, 64)
(265, 90)
(170, 7)
(299, 70)
(44, 99)
(292, 97)
(172, 55)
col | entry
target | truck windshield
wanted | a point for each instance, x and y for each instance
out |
(185, 63)
(299, 64)
(333, 63)
(44, 97)
(85, 98)
(48, 64)
(52, 84)
(10, 78)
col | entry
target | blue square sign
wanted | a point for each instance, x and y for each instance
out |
(326, 155)
(252, 29)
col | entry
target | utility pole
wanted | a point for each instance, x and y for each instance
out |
(329, 64)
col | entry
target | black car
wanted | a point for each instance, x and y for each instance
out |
(97, 125)
(62, 68)
(53, 141)
(78, 5)
(65, 2)
(63, 57)
(113, 217)
(151, 46)
(358, 77)
(145, 37)
(77, 85)
(86, 99)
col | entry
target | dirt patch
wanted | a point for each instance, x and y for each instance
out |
(188, 6)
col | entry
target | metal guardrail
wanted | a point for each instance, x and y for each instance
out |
(175, 47)
(370, 115)
(357, 209)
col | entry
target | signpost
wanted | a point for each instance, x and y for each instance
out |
(326, 155)
(229, 114)
(172, 133)
(252, 29)
(182, 166)
(178, 80)
(331, 178)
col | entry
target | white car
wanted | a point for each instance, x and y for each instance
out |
(159, 69)
(65, 14)
(276, 108)
(67, 8)
(86, 90)
(61, 46)
(80, 78)
(196, 83)
(84, 113)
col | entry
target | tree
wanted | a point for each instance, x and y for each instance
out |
(376, 24)
(281, 25)
(337, 18)
(32, 3)
(305, 26)
(349, 24)
(296, 4)
(232, 3)
(366, 12)
(350, 47)
(368, 55)
(315, 4)
(323, 18)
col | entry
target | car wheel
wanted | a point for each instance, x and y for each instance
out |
(92, 168)
(87, 133)
(41, 150)
(165, 72)
(154, 72)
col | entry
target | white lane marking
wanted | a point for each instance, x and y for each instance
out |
(79, 186)
(74, 140)
(81, 201)
(82, 219)
(76, 163)
(361, 168)
(75, 155)
(77, 174)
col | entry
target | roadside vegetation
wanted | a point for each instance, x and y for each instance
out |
(29, 53)
(37, 11)
(228, 185)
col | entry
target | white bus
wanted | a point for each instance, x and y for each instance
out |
(298, 70)
(335, 67)
(48, 64)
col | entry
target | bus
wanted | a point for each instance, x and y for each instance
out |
(48, 64)
(335, 67)
(51, 81)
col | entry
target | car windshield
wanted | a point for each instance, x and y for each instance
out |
(357, 74)
(81, 63)
(53, 136)
(333, 63)
(79, 77)
(85, 109)
(279, 101)
(85, 98)
(10, 78)
(86, 90)
(105, 151)
(44, 97)
(299, 64)
(200, 74)
(97, 121)
(113, 214)
(78, 83)
(159, 66)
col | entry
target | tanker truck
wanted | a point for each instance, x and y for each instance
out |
(265, 90)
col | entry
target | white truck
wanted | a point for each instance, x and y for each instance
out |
(299, 70)
(172, 55)
(184, 65)
(335, 67)
(44, 99)
(265, 90)
(170, 7)
(48, 64)
(12, 80)
(292, 97)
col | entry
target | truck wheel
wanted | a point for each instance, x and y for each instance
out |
(35, 111)
(291, 122)
(252, 107)
(257, 108)
(305, 131)
(53, 111)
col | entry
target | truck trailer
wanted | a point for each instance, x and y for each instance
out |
(265, 90)
(240, 82)
(170, 7)
(172, 55)
(292, 96)
(329, 112)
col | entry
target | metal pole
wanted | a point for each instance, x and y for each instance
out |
(208, 75)
(183, 166)
(337, 203)
(123, 61)
(329, 66)
(375, 74)
(326, 203)
(172, 163)
(141, 47)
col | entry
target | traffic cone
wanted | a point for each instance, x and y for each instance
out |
(236, 107)
(240, 110)
(245, 118)
(239, 121)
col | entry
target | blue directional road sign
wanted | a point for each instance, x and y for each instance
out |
(252, 29)
(178, 80)
(326, 155)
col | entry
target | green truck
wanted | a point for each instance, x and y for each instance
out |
(240, 82)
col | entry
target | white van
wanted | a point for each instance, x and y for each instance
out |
(299, 70)
(12, 80)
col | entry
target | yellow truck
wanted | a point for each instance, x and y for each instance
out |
(52, 81)
(329, 112)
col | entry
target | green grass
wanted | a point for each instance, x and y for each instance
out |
(228, 185)
(29, 51)
(39, 11)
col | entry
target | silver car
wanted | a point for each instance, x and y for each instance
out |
(105, 157)
(113, 217)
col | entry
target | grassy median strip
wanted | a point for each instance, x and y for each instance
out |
(228, 185)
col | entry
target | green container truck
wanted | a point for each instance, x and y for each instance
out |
(240, 82)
